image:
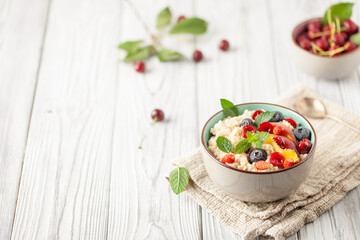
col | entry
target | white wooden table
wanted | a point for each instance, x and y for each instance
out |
(71, 114)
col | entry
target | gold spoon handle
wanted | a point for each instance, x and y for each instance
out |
(343, 122)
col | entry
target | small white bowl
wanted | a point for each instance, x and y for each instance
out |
(320, 66)
(257, 186)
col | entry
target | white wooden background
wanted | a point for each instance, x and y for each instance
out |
(71, 114)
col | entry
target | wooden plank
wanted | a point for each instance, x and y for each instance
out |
(142, 205)
(21, 36)
(66, 174)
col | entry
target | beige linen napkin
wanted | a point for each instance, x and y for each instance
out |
(335, 171)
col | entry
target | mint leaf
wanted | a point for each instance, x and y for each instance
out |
(190, 25)
(355, 38)
(179, 179)
(250, 136)
(228, 108)
(257, 144)
(242, 146)
(140, 54)
(130, 46)
(262, 136)
(166, 55)
(224, 144)
(341, 10)
(263, 117)
(163, 18)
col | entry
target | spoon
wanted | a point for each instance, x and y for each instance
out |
(314, 108)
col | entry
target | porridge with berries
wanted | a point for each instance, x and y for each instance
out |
(259, 141)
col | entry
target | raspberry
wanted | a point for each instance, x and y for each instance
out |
(276, 159)
(291, 121)
(257, 113)
(266, 127)
(262, 165)
(288, 162)
(228, 158)
(278, 130)
(247, 128)
(304, 146)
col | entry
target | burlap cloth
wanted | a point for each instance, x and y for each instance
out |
(335, 171)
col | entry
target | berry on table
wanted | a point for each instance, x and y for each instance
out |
(246, 129)
(301, 133)
(228, 158)
(278, 117)
(257, 155)
(139, 66)
(322, 43)
(291, 121)
(157, 115)
(266, 127)
(197, 56)
(350, 26)
(351, 47)
(256, 113)
(180, 18)
(246, 121)
(224, 45)
(288, 162)
(262, 165)
(276, 159)
(304, 146)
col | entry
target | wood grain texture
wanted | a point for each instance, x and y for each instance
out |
(21, 37)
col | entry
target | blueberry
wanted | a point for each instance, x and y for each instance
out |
(247, 121)
(278, 117)
(301, 133)
(257, 155)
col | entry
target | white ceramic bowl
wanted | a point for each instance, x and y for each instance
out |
(256, 186)
(319, 66)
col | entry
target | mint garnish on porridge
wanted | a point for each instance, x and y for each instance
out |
(224, 144)
(229, 108)
(263, 117)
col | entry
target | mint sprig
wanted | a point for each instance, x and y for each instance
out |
(163, 18)
(166, 55)
(263, 117)
(190, 25)
(341, 10)
(179, 179)
(228, 108)
(224, 144)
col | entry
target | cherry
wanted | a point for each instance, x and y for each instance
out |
(139, 66)
(291, 121)
(323, 44)
(351, 47)
(180, 18)
(338, 39)
(304, 43)
(266, 127)
(197, 56)
(224, 45)
(256, 113)
(276, 159)
(350, 26)
(344, 35)
(228, 158)
(157, 115)
(313, 31)
(279, 141)
(278, 130)
(326, 28)
(314, 25)
(304, 146)
(247, 128)
(333, 48)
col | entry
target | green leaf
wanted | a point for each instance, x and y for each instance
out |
(140, 54)
(263, 117)
(341, 10)
(190, 25)
(242, 146)
(166, 55)
(262, 136)
(250, 136)
(257, 144)
(179, 179)
(355, 39)
(163, 18)
(130, 46)
(228, 108)
(224, 144)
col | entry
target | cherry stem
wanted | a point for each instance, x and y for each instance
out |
(146, 132)
(337, 21)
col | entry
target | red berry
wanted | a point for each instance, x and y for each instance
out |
(180, 18)
(278, 130)
(279, 141)
(266, 127)
(262, 165)
(291, 121)
(256, 113)
(276, 159)
(228, 158)
(344, 35)
(139, 66)
(288, 162)
(224, 45)
(157, 115)
(323, 44)
(314, 25)
(350, 26)
(351, 47)
(304, 43)
(197, 56)
(248, 128)
(338, 39)
(304, 146)
(333, 48)
(311, 32)
(326, 28)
